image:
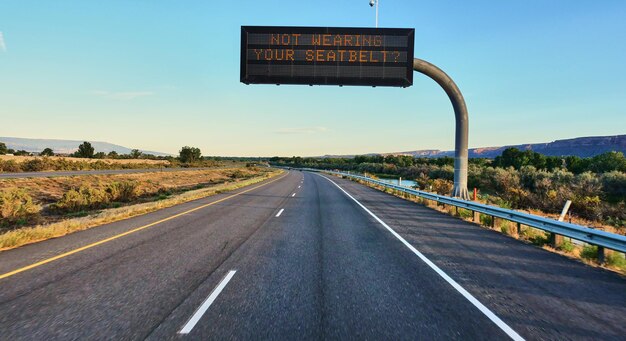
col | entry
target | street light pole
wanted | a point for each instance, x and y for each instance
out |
(377, 13)
(372, 3)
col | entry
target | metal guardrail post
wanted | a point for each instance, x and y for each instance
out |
(555, 240)
(601, 255)
(462, 124)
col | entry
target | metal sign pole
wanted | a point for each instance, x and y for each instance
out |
(372, 4)
(462, 123)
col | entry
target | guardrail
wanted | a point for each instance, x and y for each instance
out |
(585, 234)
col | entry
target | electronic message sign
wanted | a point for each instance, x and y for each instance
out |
(327, 56)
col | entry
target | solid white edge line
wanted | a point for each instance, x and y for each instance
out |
(279, 212)
(293, 195)
(206, 304)
(495, 319)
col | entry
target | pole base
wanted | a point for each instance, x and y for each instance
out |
(460, 192)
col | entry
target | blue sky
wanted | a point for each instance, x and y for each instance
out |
(158, 75)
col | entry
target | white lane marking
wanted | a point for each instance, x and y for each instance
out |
(206, 304)
(279, 212)
(495, 319)
(293, 195)
(298, 186)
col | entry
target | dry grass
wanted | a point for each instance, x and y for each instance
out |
(49, 190)
(20, 159)
(23, 236)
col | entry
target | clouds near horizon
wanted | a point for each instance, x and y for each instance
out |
(3, 46)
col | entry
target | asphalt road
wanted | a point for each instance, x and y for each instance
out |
(299, 258)
(93, 172)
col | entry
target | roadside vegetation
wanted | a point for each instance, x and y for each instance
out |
(586, 253)
(87, 158)
(522, 180)
(33, 209)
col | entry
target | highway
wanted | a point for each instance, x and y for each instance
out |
(302, 256)
(48, 174)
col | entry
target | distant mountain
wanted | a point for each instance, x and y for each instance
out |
(65, 146)
(580, 146)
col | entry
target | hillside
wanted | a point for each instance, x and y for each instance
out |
(65, 146)
(580, 146)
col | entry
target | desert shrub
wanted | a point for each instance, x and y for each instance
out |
(486, 220)
(444, 172)
(474, 175)
(536, 181)
(616, 259)
(10, 166)
(588, 207)
(37, 165)
(441, 186)
(85, 197)
(563, 178)
(614, 185)
(88, 197)
(589, 252)
(497, 180)
(566, 246)
(465, 214)
(122, 191)
(500, 202)
(535, 236)
(506, 227)
(237, 174)
(16, 204)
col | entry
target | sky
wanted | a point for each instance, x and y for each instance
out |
(158, 75)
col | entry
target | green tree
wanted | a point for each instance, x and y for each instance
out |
(21, 153)
(47, 152)
(607, 162)
(508, 158)
(576, 164)
(3, 148)
(189, 154)
(85, 150)
(112, 155)
(99, 155)
(135, 154)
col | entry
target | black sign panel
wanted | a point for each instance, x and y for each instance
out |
(327, 55)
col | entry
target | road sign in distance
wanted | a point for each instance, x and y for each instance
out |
(327, 55)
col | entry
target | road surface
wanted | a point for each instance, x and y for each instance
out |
(303, 257)
(93, 172)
